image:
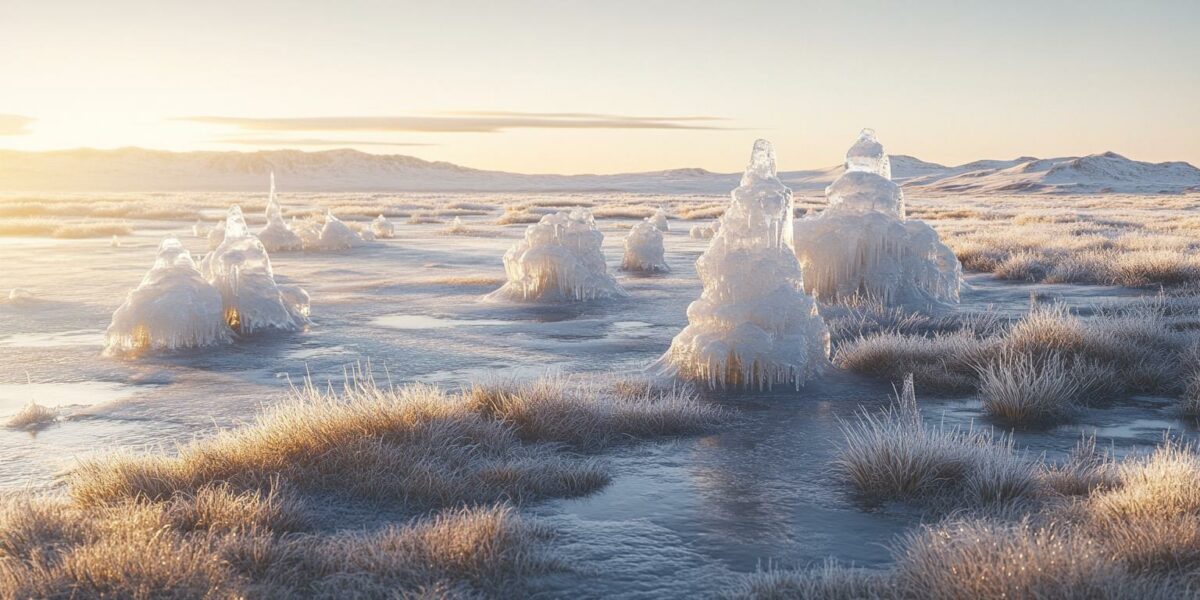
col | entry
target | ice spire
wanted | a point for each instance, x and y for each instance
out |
(276, 236)
(753, 325)
(867, 155)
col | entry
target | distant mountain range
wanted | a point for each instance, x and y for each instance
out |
(136, 169)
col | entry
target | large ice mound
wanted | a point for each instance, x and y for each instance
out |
(174, 307)
(753, 326)
(861, 245)
(276, 236)
(559, 260)
(241, 271)
(644, 249)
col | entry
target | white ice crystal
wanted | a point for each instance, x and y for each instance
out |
(336, 235)
(241, 271)
(659, 220)
(559, 260)
(753, 326)
(383, 228)
(861, 245)
(644, 249)
(174, 307)
(276, 236)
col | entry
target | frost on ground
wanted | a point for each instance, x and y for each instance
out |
(753, 325)
(862, 244)
(644, 249)
(276, 236)
(174, 307)
(241, 270)
(559, 260)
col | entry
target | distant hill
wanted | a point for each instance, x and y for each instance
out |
(136, 169)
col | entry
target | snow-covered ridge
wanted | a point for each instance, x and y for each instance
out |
(136, 169)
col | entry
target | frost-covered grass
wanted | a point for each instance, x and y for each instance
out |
(1135, 536)
(32, 416)
(1039, 368)
(52, 228)
(894, 455)
(245, 513)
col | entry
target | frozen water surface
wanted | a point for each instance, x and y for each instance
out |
(679, 518)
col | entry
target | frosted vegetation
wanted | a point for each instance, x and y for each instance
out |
(240, 270)
(644, 249)
(382, 228)
(753, 325)
(559, 260)
(863, 245)
(173, 307)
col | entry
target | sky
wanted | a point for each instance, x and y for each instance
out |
(601, 87)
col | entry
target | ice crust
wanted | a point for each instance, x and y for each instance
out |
(862, 247)
(276, 236)
(753, 325)
(559, 260)
(241, 271)
(174, 307)
(644, 249)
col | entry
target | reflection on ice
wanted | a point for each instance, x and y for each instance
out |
(428, 322)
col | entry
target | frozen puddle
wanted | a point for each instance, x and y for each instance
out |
(77, 337)
(428, 322)
(14, 396)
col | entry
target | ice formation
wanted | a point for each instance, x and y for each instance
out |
(216, 235)
(861, 245)
(241, 271)
(753, 326)
(705, 232)
(336, 235)
(559, 260)
(277, 236)
(383, 228)
(173, 307)
(457, 227)
(644, 249)
(659, 220)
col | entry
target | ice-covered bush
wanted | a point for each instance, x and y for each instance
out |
(862, 245)
(241, 270)
(753, 325)
(559, 260)
(174, 307)
(659, 220)
(644, 249)
(277, 236)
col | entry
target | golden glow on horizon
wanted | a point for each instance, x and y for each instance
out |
(943, 82)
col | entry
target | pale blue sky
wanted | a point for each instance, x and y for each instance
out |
(945, 81)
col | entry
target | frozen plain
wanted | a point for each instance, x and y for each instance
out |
(680, 515)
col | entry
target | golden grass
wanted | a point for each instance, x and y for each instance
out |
(34, 415)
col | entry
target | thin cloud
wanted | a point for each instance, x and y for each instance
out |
(15, 124)
(460, 123)
(309, 142)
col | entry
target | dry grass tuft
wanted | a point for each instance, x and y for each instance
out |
(942, 363)
(33, 416)
(895, 456)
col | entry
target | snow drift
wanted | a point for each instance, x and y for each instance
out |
(276, 236)
(173, 307)
(861, 245)
(559, 260)
(753, 326)
(644, 249)
(241, 271)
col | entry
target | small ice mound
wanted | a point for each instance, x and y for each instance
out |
(659, 220)
(20, 296)
(276, 236)
(172, 308)
(115, 243)
(334, 235)
(199, 230)
(366, 234)
(241, 271)
(559, 260)
(457, 227)
(644, 249)
(216, 235)
(383, 228)
(861, 245)
(705, 232)
(753, 326)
